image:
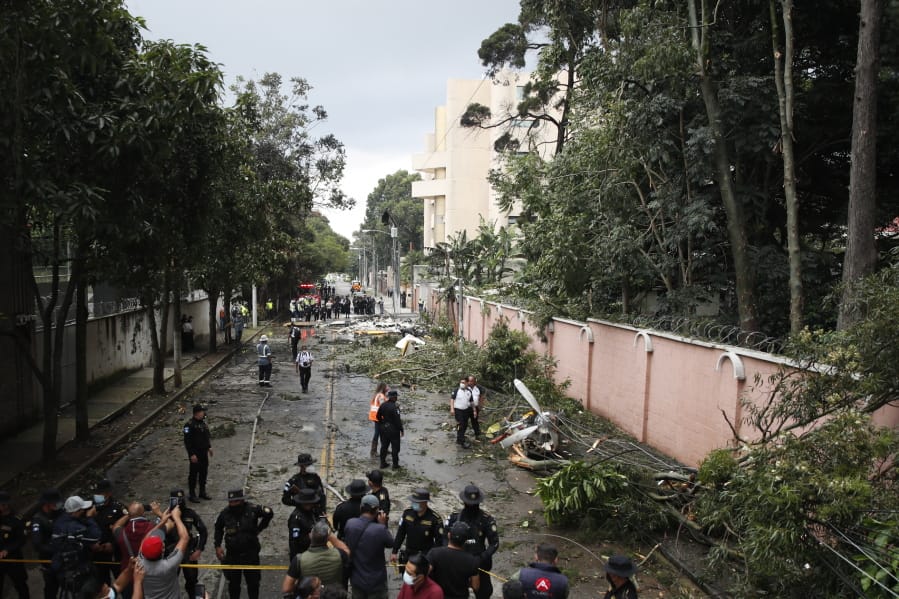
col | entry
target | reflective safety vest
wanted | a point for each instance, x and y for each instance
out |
(376, 402)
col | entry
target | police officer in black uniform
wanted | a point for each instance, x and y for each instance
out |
(304, 480)
(42, 537)
(420, 527)
(239, 526)
(376, 484)
(301, 521)
(197, 533)
(12, 539)
(484, 540)
(351, 508)
(109, 510)
(199, 447)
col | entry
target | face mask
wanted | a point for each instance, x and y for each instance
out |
(461, 385)
(416, 506)
(99, 500)
(408, 579)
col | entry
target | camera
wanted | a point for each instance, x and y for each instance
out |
(173, 502)
(200, 592)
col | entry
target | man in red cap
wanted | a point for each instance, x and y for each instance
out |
(161, 574)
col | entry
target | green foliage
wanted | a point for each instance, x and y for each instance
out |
(392, 195)
(506, 357)
(581, 493)
(717, 468)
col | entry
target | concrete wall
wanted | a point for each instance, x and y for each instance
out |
(670, 392)
(115, 343)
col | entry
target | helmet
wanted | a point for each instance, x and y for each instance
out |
(264, 338)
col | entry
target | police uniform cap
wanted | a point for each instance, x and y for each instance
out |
(393, 393)
(370, 501)
(199, 408)
(375, 476)
(179, 493)
(51, 496)
(459, 532)
(307, 496)
(236, 495)
(305, 459)
(356, 488)
(471, 495)
(420, 494)
(4, 497)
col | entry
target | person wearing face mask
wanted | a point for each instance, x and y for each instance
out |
(421, 528)
(484, 539)
(416, 582)
(42, 537)
(109, 510)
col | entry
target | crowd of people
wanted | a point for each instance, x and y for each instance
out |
(100, 547)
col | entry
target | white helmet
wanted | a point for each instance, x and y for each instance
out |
(264, 338)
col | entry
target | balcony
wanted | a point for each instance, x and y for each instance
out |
(429, 161)
(429, 189)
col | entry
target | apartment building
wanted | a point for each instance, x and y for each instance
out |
(457, 160)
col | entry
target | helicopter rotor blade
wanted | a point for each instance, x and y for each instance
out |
(517, 436)
(528, 396)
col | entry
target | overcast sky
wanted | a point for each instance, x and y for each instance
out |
(379, 67)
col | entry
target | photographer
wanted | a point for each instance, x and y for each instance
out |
(161, 573)
(197, 533)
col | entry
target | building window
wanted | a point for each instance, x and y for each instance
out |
(524, 123)
(519, 93)
(513, 219)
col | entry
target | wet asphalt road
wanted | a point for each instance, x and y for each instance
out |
(330, 422)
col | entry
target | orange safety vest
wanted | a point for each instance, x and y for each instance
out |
(376, 402)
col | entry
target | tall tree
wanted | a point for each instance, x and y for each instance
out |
(783, 81)
(393, 196)
(64, 62)
(861, 253)
(701, 24)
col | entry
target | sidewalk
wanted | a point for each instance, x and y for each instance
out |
(22, 452)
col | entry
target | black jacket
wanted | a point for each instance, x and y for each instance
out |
(389, 417)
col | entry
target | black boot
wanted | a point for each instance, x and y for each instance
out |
(203, 494)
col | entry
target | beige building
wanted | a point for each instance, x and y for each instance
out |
(457, 159)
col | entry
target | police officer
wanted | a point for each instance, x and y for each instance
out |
(42, 536)
(239, 526)
(12, 539)
(484, 539)
(304, 480)
(199, 447)
(420, 527)
(109, 510)
(197, 536)
(351, 508)
(376, 484)
(264, 355)
(301, 521)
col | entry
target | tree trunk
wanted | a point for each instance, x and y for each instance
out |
(783, 81)
(177, 336)
(79, 278)
(861, 252)
(736, 220)
(213, 297)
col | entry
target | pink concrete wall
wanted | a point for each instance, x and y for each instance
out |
(669, 392)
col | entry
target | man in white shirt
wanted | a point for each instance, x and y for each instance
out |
(462, 409)
(477, 397)
(304, 367)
